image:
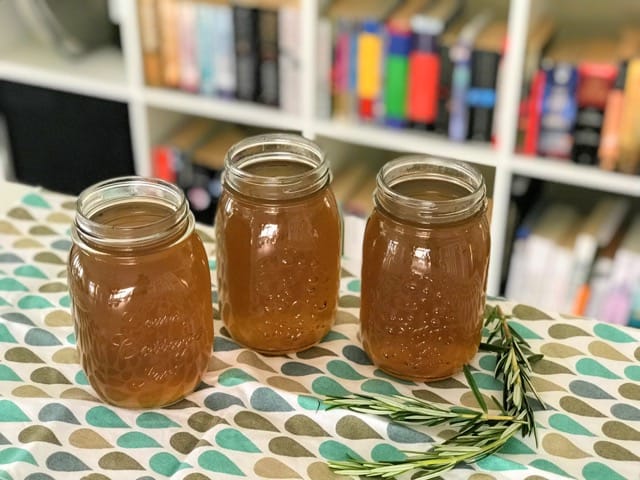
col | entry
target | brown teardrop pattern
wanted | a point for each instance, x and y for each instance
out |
(38, 433)
(636, 354)
(448, 383)
(86, 438)
(20, 213)
(95, 476)
(469, 400)
(630, 391)
(7, 228)
(556, 444)
(58, 318)
(252, 359)
(620, 431)
(79, 394)
(203, 421)
(345, 318)
(22, 355)
(24, 243)
(288, 447)
(429, 396)
(182, 404)
(49, 376)
(59, 217)
(197, 476)
(601, 349)
(286, 384)
(303, 425)
(216, 364)
(562, 331)
(525, 312)
(273, 468)
(352, 428)
(183, 442)
(578, 407)
(544, 385)
(559, 350)
(41, 230)
(67, 355)
(119, 461)
(48, 257)
(613, 451)
(315, 352)
(482, 476)
(349, 301)
(53, 287)
(30, 391)
(547, 367)
(69, 205)
(254, 421)
(321, 471)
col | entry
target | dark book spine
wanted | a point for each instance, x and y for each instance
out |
(246, 45)
(594, 84)
(481, 96)
(444, 90)
(269, 72)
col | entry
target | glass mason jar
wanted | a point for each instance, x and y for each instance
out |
(141, 292)
(278, 244)
(424, 270)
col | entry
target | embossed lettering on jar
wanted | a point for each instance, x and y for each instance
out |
(278, 244)
(141, 293)
(425, 260)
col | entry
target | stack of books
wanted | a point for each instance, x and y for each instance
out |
(244, 50)
(583, 103)
(580, 263)
(426, 64)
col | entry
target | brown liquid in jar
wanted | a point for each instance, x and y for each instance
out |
(278, 265)
(144, 322)
(423, 288)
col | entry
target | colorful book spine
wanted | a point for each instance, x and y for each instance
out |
(444, 90)
(150, 42)
(424, 76)
(461, 77)
(629, 158)
(481, 94)
(224, 52)
(533, 113)
(268, 89)
(594, 83)
(246, 48)
(609, 147)
(187, 55)
(397, 77)
(205, 47)
(559, 109)
(168, 12)
(370, 61)
(340, 69)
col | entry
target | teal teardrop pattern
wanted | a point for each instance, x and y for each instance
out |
(566, 424)
(34, 302)
(233, 377)
(29, 271)
(5, 335)
(343, 370)
(403, 434)
(626, 412)
(217, 462)
(356, 355)
(8, 375)
(600, 471)
(10, 412)
(17, 317)
(328, 387)
(387, 453)
(105, 418)
(593, 368)
(12, 285)
(632, 372)
(232, 439)
(166, 464)
(65, 462)
(266, 400)
(137, 440)
(39, 337)
(586, 389)
(154, 420)
(334, 450)
(299, 369)
(612, 334)
(56, 412)
(382, 387)
(548, 466)
(16, 455)
(35, 200)
(524, 332)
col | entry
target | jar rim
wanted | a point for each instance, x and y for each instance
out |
(280, 147)
(114, 191)
(426, 211)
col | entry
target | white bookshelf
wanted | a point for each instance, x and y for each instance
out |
(113, 75)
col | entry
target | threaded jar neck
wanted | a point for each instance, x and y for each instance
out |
(276, 167)
(429, 190)
(131, 230)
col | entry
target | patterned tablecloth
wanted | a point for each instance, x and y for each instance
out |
(261, 417)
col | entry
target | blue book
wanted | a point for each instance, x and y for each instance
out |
(205, 32)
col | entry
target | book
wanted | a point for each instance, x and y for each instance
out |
(289, 41)
(481, 94)
(424, 60)
(189, 76)
(399, 42)
(460, 55)
(224, 59)
(206, 46)
(268, 88)
(447, 40)
(169, 42)
(245, 30)
(609, 147)
(629, 155)
(150, 42)
(533, 113)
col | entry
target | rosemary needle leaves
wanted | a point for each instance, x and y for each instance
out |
(480, 433)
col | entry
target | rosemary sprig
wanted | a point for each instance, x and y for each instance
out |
(480, 433)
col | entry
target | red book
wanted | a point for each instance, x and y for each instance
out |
(162, 163)
(424, 79)
(534, 109)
